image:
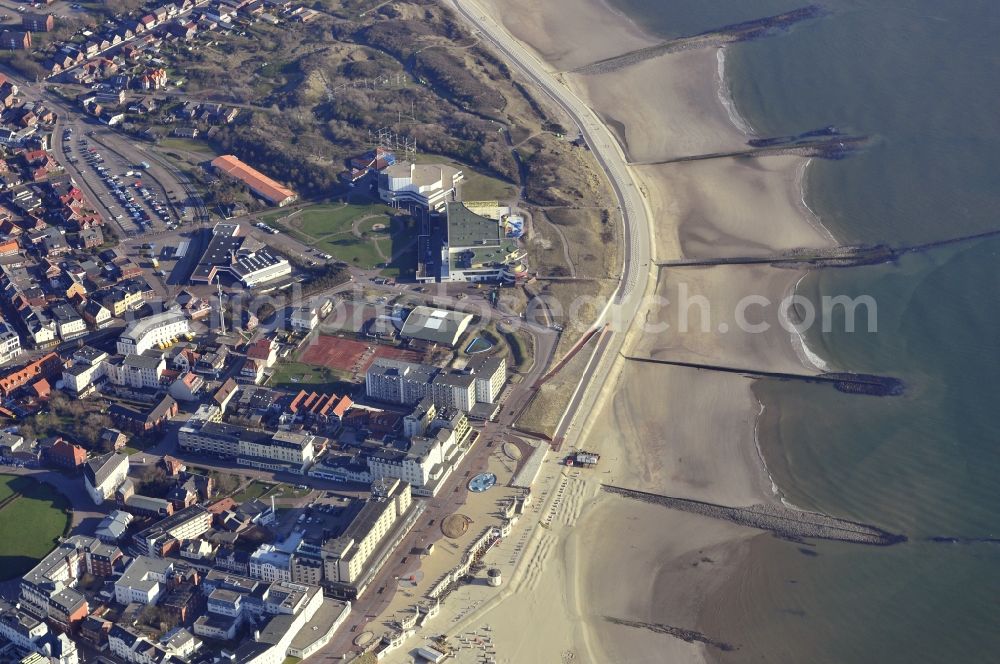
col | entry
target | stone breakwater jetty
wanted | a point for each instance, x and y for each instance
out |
(834, 148)
(783, 522)
(851, 383)
(842, 256)
(688, 635)
(729, 34)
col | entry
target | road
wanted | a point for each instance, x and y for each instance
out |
(623, 307)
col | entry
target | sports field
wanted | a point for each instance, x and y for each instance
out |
(350, 355)
(33, 516)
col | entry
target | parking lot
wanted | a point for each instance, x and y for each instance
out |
(138, 206)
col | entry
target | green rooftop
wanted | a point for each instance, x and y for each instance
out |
(468, 229)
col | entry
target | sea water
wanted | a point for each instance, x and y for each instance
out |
(921, 78)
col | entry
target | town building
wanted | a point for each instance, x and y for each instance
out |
(306, 317)
(28, 634)
(69, 323)
(438, 326)
(143, 581)
(166, 535)
(48, 366)
(10, 343)
(278, 451)
(112, 528)
(429, 186)
(159, 329)
(261, 185)
(103, 474)
(50, 587)
(231, 253)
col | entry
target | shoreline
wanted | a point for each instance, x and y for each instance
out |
(679, 107)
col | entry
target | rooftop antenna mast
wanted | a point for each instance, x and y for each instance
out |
(222, 309)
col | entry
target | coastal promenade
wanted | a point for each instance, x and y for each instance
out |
(624, 304)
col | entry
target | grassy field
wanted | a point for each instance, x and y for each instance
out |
(188, 145)
(253, 490)
(329, 228)
(320, 220)
(26, 501)
(297, 375)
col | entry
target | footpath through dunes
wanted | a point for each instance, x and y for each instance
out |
(782, 521)
(737, 32)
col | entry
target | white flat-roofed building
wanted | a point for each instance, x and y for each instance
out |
(257, 267)
(143, 581)
(10, 343)
(88, 369)
(138, 371)
(490, 372)
(304, 318)
(269, 563)
(346, 556)
(279, 451)
(429, 186)
(158, 329)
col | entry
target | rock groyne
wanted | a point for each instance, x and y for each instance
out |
(729, 34)
(783, 522)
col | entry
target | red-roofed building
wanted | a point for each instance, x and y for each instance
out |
(263, 350)
(324, 408)
(66, 455)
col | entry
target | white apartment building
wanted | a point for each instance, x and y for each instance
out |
(490, 373)
(158, 329)
(346, 556)
(304, 318)
(268, 563)
(10, 343)
(425, 464)
(138, 371)
(281, 450)
(30, 634)
(143, 581)
(187, 524)
(88, 369)
(407, 383)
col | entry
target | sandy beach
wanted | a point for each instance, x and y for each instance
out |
(607, 576)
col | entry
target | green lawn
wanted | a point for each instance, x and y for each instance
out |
(297, 375)
(353, 250)
(188, 145)
(23, 502)
(253, 490)
(320, 220)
